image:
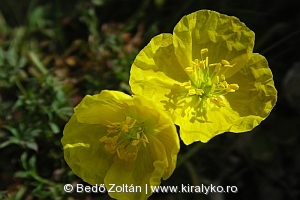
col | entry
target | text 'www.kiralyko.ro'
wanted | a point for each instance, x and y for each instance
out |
(113, 188)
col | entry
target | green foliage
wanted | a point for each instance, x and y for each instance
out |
(40, 83)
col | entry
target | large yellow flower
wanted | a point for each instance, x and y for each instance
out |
(206, 76)
(114, 138)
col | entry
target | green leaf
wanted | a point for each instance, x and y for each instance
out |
(5, 144)
(13, 131)
(20, 193)
(54, 127)
(37, 62)
(24, 160)
(65, 113)
(31, 145)
(21, 174)
(32, 162)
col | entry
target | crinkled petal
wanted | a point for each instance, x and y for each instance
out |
(163, 129)
(148, 168)
(256, 96)
(155, 70)
(171, 145)
(226, 37)
(244, 109)
(195, 128)
(99, 108)
(83, 152)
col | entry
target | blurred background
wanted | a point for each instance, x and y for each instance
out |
(52, 53)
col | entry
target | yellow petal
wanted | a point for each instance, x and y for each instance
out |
(196, 128)
(161, 126)
(83, 152)
(256, 96)
(156, 70)
(150, 165)
(244, 109)
(225, 37)
(99, 108)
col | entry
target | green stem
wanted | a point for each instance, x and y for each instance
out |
(37, 62)
(193, 173)
(20, 86)
(189, 154)
(276, 44)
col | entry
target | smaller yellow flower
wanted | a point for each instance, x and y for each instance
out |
(114, 138)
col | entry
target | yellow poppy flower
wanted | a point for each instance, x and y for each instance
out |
(121, 141)
(206, 76)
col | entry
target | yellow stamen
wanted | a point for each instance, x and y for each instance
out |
(232, 88)
(222, 77)
(213, 88)
(198, 102)
(203, 51)
(213, 64)
(187, 85)
(192, 92)
(225, 62)
(122, 105)
(201, 65)
(189, 70)
(217, 100)
(124, 138)
(199, 91)
(217, 80)
(196, 62)
(207, 83)
(110, 143)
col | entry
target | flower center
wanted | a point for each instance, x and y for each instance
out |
(124, 138)
(207, 83)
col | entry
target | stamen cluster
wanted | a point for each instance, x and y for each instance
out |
(124, 138)
(207, 82)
